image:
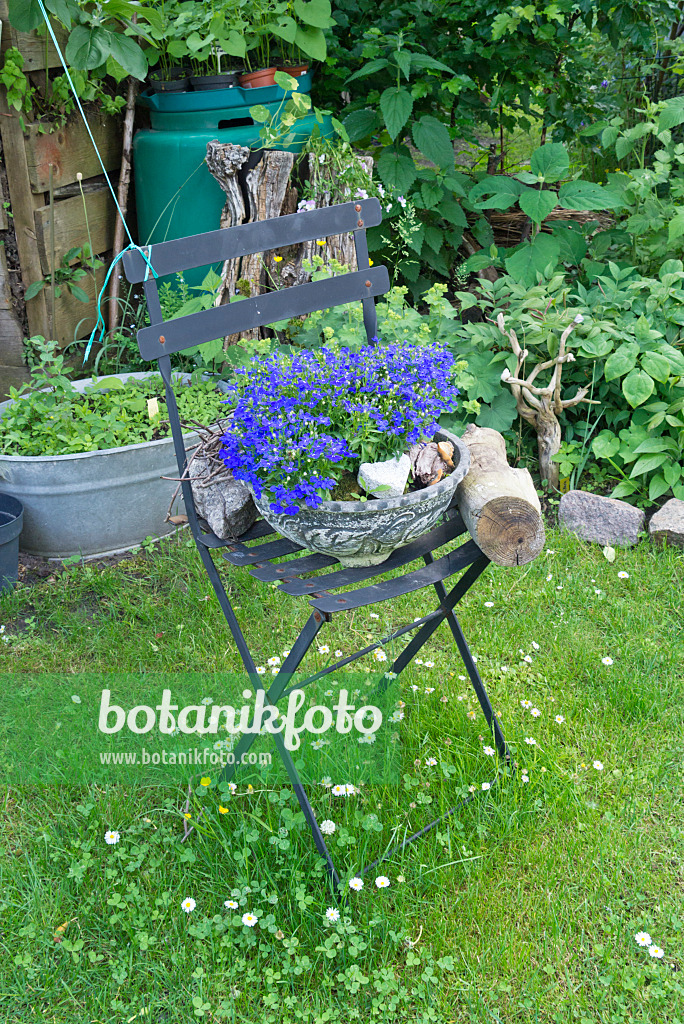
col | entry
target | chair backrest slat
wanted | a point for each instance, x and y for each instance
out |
(244, 239)
(169, 336)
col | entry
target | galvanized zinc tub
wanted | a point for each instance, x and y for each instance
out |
(94, 503)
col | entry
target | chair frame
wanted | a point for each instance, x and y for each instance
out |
(162, 339)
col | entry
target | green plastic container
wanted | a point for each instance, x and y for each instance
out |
(174, 191)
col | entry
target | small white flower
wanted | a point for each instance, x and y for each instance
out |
(275, 671)
(526, 703)
(230, 904)
(656, 951)
(350, 789)
(471, 715)
(111, 838)
(261, 671)
(535, 712)
(489, 604)
(598, 765)
(356, 884)
(535, 645)
(319, 744)
(339, 654)
(379, 655)
(397, 716)
(76, 699)
(323, 649)
(530, 740)
(549, 578)
(643, 939)
(606, 661)
(597, 591)
(418, 661)
(188, 905)
(232, 787)
(207, 701)
(327, 827)
(559, 587)
(430, 762)
(339, 790)
(332, 914)
(429, 689)
(489, 751)
(249, 919)
(429, 664)
(286, 654)
(623, 575)
(382, 881)
(559, 719)
(528, 659)
(486, 786)
(414, 687)
(579, 319)
(373, 615)
(273, 661)
(524, 778)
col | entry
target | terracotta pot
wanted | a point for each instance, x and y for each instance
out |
(257, 79)
(296, 70)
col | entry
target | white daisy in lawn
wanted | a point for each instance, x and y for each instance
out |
(188, 905)
(332, 914)
(76, 699)
(414, 687)
(249, 919)
(475, 657)
(230, 904)
(379, 655)
(382, 882)
(462, 678)
(489, 604)
(643, 939)
(549, 578)
(535, 712)
(528, 659)
(559, 587)
(324, 649)
(369, 739)
(489, 751)
(623, 575)
(328, 693)
(656, 951)
(471, 715)
(356, 884)
(350, 789)
(326, 781)
(327, 827)
(207, 700)
(524, 778)
(111, 838)
(429, 664)
(429, 689)
(261, 671)
(471, 789)
(598, 765)
(535, 645)
(275, 671)
(339, 654)
(373, 615)
(530, 741)
(397, 716)
(559, 719)
(339, 790)
(486, 786)
(319, 744)
(606, 661)
(526, 703)
(286, 654)
(430, 762)
(275, 660)
(418, 661)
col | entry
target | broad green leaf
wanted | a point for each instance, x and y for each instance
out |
(495, 185)
(537, 204)
(478, 261)
(396, 168)
(361, 123)
(453, 212)
(86, 48)
(431, 192)
(606, 445)
(593, 129)
(433, 140)
(33, 290)
(533, 258)
(396, 105)
(595, 348)
(128, 54)
(672, 114)
(434, 237)
(25, 15)
(655, 444)
(403, 59)
(311, 41)
(77, 292)
(658, 486)
(585, 195)
(260, 113)
(573, 244)
(656, 365)
(622, 361)
(676, 227)
(550, 161)
(501, 414)
(623, 146)
(369, 69)
(647, 463)
(609, 136)
(314, 12)
(421, 62)
(637, 387)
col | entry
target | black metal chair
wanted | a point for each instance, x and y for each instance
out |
(297, 576)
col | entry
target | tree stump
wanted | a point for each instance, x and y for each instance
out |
(260, 186)
(499, 504)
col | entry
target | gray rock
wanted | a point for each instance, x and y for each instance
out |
(601, 520)
(225, 503)
(668, 523)
(376, 477)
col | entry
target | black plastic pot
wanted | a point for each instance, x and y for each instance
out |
(202, 83)
(11, 522)
(176, 81)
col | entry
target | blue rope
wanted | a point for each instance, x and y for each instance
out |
(132, 245)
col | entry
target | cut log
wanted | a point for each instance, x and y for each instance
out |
(499, 504)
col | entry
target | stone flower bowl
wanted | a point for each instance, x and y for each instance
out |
(366, 533)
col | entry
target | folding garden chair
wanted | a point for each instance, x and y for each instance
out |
(297, 577)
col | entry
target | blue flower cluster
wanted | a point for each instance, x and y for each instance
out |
(297, 422)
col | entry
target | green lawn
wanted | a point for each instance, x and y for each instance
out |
(524, 907)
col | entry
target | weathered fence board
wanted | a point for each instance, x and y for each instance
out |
(70, 152)
(74, 224)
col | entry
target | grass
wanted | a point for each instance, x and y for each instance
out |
(522, 908)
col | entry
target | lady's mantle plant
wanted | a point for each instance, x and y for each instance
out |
(299, 423)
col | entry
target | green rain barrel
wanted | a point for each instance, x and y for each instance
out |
(174, 192)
